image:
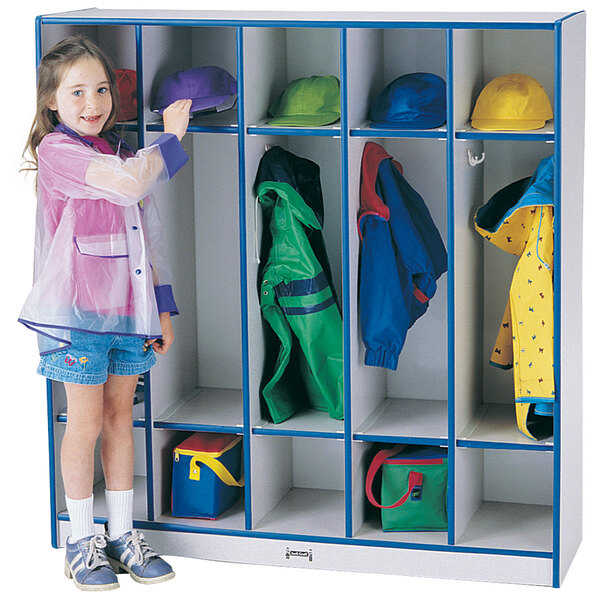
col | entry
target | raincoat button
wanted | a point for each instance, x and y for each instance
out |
(138, 271)
(265, 293)
(134, 228)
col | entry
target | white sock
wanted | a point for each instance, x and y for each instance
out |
(81, 515)
(120, 512)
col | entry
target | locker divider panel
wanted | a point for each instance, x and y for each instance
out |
(570, 98)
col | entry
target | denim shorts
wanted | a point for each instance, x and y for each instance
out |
(92, 357)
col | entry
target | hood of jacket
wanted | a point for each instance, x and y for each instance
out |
(370, 201)
(506, 219)
(294, 179)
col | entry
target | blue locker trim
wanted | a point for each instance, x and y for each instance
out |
(243, 278)
(558, 21)
(139, 69)
(400, 439)
(508, 135)
(557, 305)
(136, 422)
(504, 446)
(156, 526)
(346, 282)
(148, 436)
(334, 435)
(198, 427)
(147, 383)
(49, 395)
(399, 133)
(38, 41)
(271, 130)
(78, 20)
(52, 464)
(451, 306)
(198, 128)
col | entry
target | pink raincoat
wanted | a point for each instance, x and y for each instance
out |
(98, 262)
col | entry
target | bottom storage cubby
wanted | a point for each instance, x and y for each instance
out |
(368, 518)
(196, 479)
(299, 487)
(504, 499)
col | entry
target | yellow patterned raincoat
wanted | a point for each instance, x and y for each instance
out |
(520, 220)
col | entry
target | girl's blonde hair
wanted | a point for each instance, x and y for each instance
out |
(51, 70)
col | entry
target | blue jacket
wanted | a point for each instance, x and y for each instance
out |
(402, 257)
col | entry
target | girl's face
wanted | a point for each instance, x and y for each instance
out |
(83, 99)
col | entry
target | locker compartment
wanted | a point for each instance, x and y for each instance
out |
(274, 57)
(118, 42)
(366, 517)
(325, 152)
(299, 487)
(140, 510)
(164, 442)
(376, 57)
(482, 55)
(189, 47)
(504, 499)
(199, 381)
(411, 401)
(485, 395)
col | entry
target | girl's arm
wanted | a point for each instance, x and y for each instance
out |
(76, 170)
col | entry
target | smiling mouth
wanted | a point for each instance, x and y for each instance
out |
(92, 119)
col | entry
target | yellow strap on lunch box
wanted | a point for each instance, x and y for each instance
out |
(210, 460)
(219, 469)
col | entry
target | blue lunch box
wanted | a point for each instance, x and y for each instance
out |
(206, 475)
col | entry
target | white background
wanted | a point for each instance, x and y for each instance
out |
(28, 561)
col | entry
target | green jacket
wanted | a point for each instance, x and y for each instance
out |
(304, 337)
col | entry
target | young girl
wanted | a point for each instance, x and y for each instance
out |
(101, 301)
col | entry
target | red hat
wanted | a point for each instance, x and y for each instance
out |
(127, 86)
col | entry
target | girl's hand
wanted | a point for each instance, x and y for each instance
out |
(164, 343)
(176, 117)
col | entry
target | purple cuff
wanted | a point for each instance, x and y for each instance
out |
(164, 299)
(172, 152)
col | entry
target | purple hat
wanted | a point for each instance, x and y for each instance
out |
(207, 87)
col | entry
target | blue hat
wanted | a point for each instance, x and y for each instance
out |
(412, 101)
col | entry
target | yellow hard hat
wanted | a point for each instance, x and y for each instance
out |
(515, 101)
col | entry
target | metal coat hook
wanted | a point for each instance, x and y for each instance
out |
(475, 160)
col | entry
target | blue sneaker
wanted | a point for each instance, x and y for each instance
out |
(131, 553)
(86, 564)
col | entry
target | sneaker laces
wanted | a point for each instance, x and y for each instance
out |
(142, 550)
(93, 549)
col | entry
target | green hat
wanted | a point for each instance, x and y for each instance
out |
(307, 101)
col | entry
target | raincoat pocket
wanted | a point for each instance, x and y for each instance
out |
(101, 272)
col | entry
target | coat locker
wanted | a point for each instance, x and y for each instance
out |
(513, 503)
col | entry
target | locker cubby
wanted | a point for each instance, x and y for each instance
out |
(504, 499)
(199, 381)
(326, 152)
(412, 401)
(189, 47)
(485, 411)
(378, 56)
(299, 488)
(482, 55)
(166, 442)
(274, 57)
(366, 517)
(140, 511)
(118, 42)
